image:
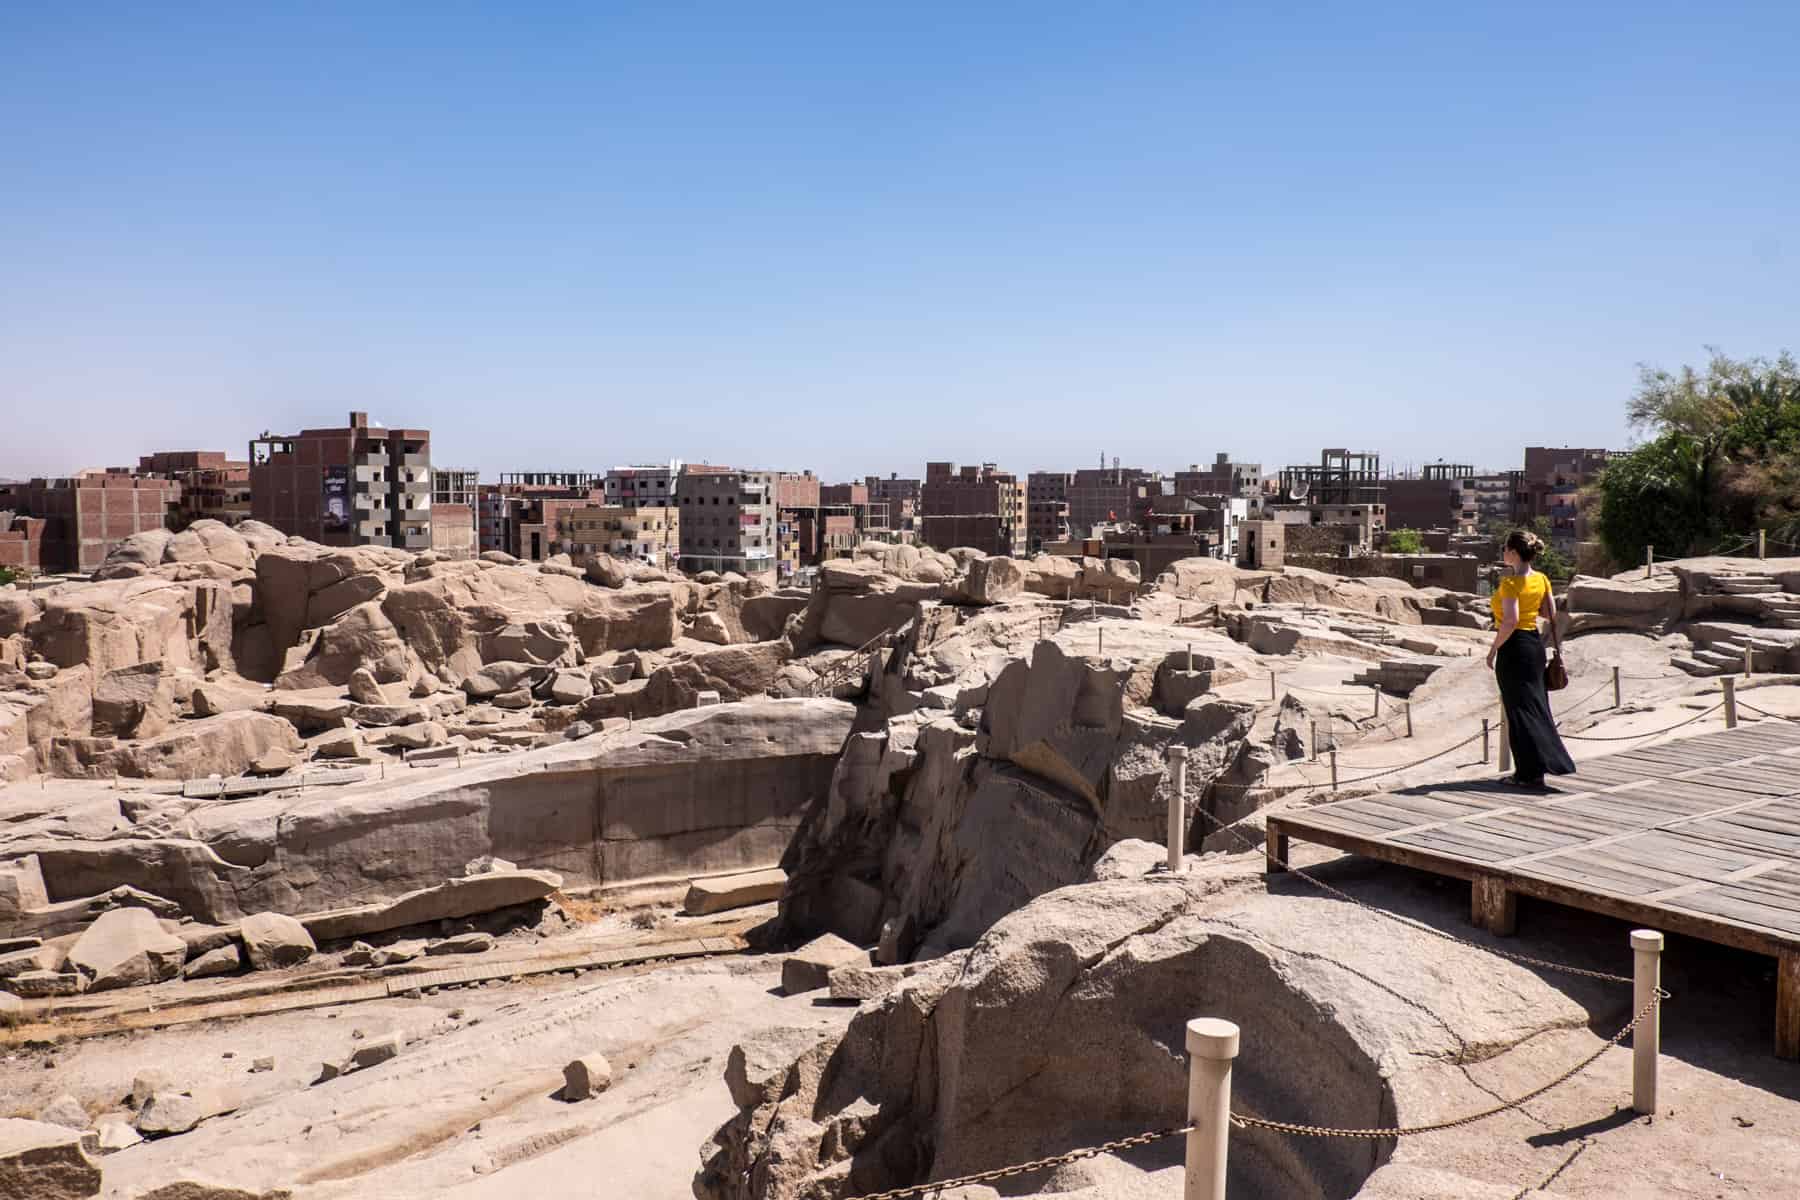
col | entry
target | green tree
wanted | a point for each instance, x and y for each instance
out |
(6, 576)
(1405, 541)
(1550, 560)
(1724, 458)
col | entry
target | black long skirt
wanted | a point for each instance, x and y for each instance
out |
(1536, 748)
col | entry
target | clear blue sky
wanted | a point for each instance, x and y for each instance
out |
(570, 236)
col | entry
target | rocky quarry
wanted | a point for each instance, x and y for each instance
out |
(356, 872)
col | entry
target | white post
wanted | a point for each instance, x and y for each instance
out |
(1730, 683)
(1646, 1039)
(1211, 1045)
(1486, 751)
(1749, 660)
(1313, 741)
(1334, 767)
(1100, 634)
(1190, 660)
(1618, 696)
(1177, 806)
(1505, 746)
(1377, 690)
(1649, 561)
(1762, 543)
(1409, 731)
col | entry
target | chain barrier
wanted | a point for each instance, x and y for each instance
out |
(1632, 737)
(1038, 1164)
(1763, 712)
(1243, 1121)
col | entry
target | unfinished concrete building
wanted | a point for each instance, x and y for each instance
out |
(357, 485)
(1341, 477)
(1222, 478)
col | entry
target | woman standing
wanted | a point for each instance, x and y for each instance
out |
(1517, 659)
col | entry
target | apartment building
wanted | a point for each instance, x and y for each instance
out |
(644, 485)
(1222, 478)
(213, 487)
(1046, 508)
(1432, 499)
(454, 498)
(520, 515)
(727, 521)
(1551, 485)
(978, 506)
(649, 534)
(82, 517)
(356, 485)
(1106, 495)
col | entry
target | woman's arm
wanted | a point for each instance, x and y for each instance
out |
(1509, 621)
(1547, 610)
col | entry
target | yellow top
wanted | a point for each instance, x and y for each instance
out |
(1529, 590)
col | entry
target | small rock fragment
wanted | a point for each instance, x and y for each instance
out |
(223, 961)
(272, 940)
(66, 1111)
(586, 1077)
(463, 943)
(378, 1051)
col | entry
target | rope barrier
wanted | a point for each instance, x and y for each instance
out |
(1036, 1164)
(1646, 734)
(1763, 712)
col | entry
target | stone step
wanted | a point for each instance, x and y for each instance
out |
(1750, 589)
(1725, 660)
(1695, 667)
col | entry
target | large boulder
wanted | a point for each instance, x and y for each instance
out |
(856, 601)
(734, 672)
(210, 541)
(135, 555)
(272, 940)
(39, 1161)
(994, 580)
(363, 637)
(137, 701)
(639, 617)
(221, 745)
(126, 947)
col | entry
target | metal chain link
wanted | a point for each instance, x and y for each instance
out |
(1243, 1121)
(1632, 737)
(920, 1189)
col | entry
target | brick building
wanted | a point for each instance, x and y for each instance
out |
(454, 495)
(646, 485)
(728, 521)
(1223, 478)
(358, 485)
(213, 487)
(982, 507)
(650, 534)
(1551, 486)
(21, 541)
(1494, 499)
(902, 499)
(1430, 500)
(522, 515)
(1046, 508)
(1105, 495)
(84, 517)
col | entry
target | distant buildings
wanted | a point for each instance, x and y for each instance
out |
(1047, 507)
(213, 487)
(71, 524)
(1106, 495)
(358, 485)
(454, 497)
(982, 507)
(1551, 483)
(1223, 478)
(727, 521)
(522, 514)
(902, 499)
(650, 534)
(1430, 500)
(644, 485)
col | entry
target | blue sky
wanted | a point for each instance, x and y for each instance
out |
(853, 238)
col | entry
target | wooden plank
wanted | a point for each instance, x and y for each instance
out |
(1715, 904)
(1787, 1005)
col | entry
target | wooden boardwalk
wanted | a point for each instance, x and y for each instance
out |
(1699, 837)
